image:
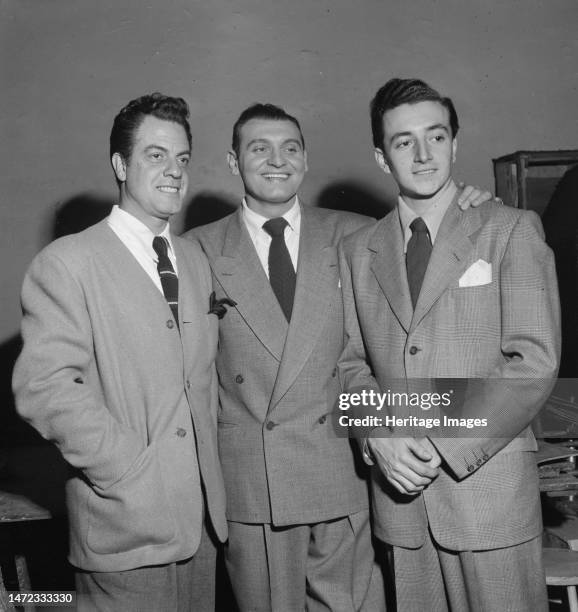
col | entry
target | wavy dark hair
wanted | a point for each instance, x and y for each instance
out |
(128, 120)
(262, 111)
(405, 91)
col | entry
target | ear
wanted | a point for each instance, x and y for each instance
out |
(381, 161)
(454, 149)
(119, 166)
(233, 163)
(305, 160)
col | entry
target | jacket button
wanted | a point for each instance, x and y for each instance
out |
(239, 379)
(270, 425)
(170, 324)
(413, 350)
(181, 432)
(334, 373)
(471, 468)
(188, 384)
(322, 419)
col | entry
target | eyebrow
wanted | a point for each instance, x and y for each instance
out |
(438, 126)
(266, 141)
(430, 128)
(165, 150)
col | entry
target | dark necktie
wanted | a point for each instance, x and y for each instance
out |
(169, 278)
(281, 271)
(417, 257)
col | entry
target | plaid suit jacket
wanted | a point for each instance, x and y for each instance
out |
(486, 495)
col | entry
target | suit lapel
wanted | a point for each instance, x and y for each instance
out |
(388, 266)
(317, 279)
(450, 251)
(241, 275)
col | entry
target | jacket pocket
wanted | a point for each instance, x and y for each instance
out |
(133, 512)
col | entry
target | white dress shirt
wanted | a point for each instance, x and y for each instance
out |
(138, 239)
(262, 240)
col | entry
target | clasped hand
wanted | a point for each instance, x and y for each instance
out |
(409, 464)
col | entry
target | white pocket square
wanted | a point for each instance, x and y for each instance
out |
(479, 273)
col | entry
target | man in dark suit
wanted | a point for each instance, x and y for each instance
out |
(461, 509)
(297, 507)
(117, 369)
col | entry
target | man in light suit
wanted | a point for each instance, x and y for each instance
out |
(297, 506)
(462, 511)
(117, 369)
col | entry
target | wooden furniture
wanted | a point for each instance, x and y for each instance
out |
(557, 468)
(559, 480)
(564, 535)
(527, 179)
(561, 568)
(15, 510)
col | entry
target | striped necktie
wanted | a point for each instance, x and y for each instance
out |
(168, 276)
(281, 270)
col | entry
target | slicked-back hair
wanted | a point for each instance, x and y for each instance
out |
(405, 91)
(262, 111)
(128, 120)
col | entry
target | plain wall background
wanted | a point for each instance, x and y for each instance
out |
(68, 66)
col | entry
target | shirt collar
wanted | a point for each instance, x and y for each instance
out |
(255, 221)
(128, 224)
(432, 217)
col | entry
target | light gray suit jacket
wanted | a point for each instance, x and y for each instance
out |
(281, 458)
(486, 495)
(130, 402)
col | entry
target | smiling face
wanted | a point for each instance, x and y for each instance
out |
(418, 149)
(272, 164)
(154, 180)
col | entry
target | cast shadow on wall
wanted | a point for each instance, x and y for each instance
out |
(352, 196)
(79, 212)
(206, 207)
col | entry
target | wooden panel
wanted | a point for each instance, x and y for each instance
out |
(527, 179)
